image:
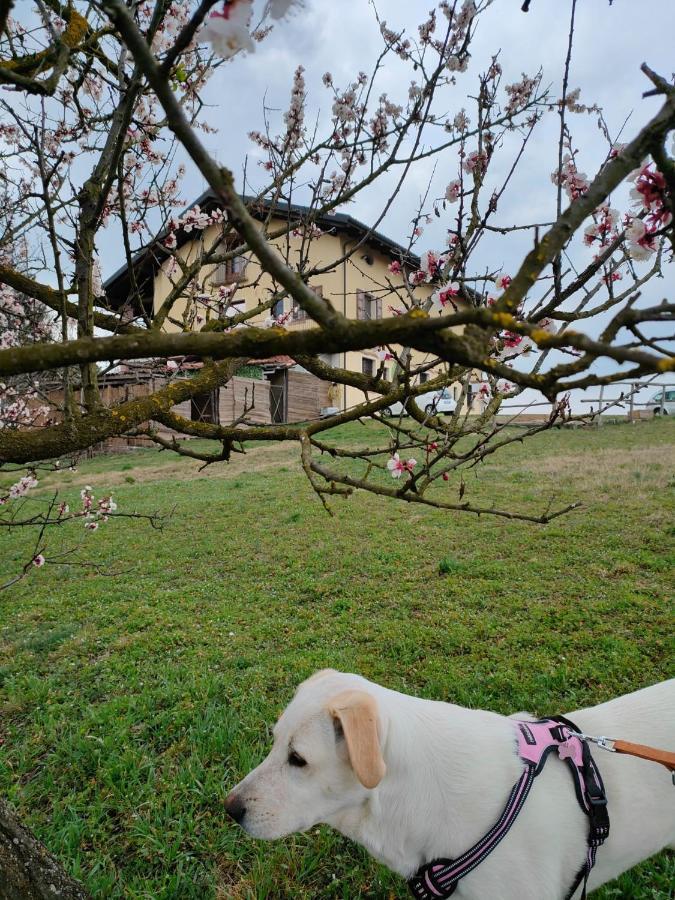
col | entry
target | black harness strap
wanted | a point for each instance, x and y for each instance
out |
(595, 807)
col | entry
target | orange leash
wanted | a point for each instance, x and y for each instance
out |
(664, 757)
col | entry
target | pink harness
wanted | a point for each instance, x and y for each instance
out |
(438, 879)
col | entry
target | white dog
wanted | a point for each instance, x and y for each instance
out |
(413, 780)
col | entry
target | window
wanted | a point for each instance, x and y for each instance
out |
(424, 377)
(299, 314)
(368, 306)
(367, 366)
(229, 271)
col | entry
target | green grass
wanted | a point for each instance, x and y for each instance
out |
(129, 705)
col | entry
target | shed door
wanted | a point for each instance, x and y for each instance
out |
(277, 403)
(204, 408)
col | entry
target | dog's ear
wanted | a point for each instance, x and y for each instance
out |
(356, 711)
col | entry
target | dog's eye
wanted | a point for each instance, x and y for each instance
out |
(294, 759)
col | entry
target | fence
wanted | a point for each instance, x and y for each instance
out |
(628, 397)
(626, 402)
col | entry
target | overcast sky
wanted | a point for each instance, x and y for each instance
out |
(343, 38)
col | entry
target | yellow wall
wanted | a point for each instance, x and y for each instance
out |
(366, 270)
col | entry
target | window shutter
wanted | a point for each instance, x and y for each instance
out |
(378, 308)
(360, 305)
(239, 264)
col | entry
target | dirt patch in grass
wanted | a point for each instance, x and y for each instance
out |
(231, 886)
(255, 460)
(592, 463)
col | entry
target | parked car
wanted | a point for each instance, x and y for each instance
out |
(662, 403)
(433, 403)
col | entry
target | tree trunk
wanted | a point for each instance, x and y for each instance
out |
(27, 870)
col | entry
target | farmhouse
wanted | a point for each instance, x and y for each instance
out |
(354, 261)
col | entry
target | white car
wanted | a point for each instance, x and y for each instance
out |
(662, 403)
(433, 403)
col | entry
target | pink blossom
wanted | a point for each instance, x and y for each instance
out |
(91, 526)
(295, 116)
(475, 162)
(642, 243)
(574, 182)
(39, 561)
(397, 466)
(511, 339)
(93, 86)
(502, 282)
(447, 294)
(520, 94)
(430, 264)
(549, 325)
(395, 267)
(650, 198)
(21, 487)
(453, 191)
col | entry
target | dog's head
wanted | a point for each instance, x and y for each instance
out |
(326, 759)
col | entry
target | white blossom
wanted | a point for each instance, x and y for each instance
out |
(228, 31)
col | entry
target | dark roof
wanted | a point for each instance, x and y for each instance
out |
(146, 261)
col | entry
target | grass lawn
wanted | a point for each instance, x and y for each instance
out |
(130, 704)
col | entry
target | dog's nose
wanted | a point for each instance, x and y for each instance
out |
(235, 808)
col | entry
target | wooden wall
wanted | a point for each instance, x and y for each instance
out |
(307, 395)
(238, 395)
